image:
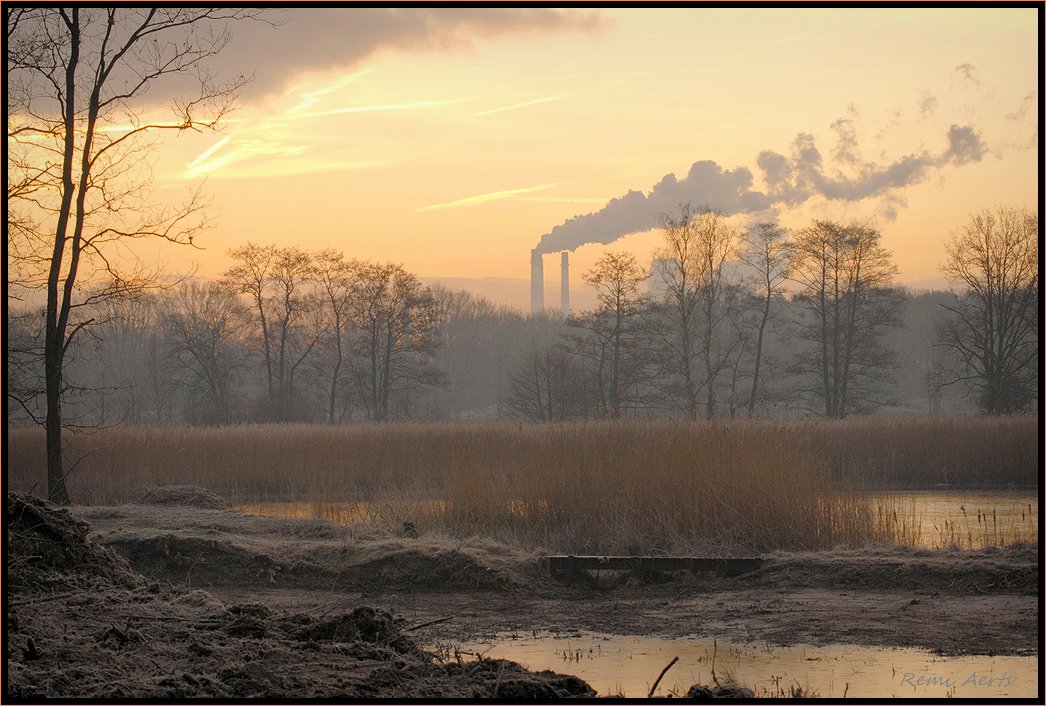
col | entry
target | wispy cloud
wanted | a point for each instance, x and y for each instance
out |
(264, 140)
(565, 199)
(788, 40)
(485, 198)
(517, 105)
(312, 97)
(386, 106)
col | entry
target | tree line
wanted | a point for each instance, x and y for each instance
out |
(721, 323)
(745, 322)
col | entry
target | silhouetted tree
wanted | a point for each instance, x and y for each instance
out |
(547, 386)
(767, 250)
(612, 344)
(845, 277)
(993, 327)
(395, 327)
(697, 301)
(76, 176)
(204, 325)
(277, 281)
(334, 277)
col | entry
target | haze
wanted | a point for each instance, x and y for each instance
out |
(452, 140)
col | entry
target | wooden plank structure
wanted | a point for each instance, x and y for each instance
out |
(565, 565)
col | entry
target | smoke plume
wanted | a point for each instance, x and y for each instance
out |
(789, 180)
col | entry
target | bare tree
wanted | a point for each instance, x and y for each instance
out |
(547, 386)
(845, 277)
(993, 327)
(395, 327)
(277, 280)
(698, 300)
(613, 344)
(768, 251)
(673, 267)
(334, 277)
(204, 325)
(76, 84)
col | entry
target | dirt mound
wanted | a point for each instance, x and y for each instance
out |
(195, 561)
(429, 571)
(501, 679)
(362, 624)
(185, 495)
(990, 570)
(142, 646)
(205, 562)
(49, 547)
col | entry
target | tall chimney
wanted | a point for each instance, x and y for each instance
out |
(564, 283)
(537, 283)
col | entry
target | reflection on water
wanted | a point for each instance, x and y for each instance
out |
(624, 665)
(969, 519)
(930, 519)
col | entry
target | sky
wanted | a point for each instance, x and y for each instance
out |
(454, 141)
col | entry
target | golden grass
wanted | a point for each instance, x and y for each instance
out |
(598, 487)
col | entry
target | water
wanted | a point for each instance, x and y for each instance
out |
(628, 666)
(969, 518)
(933, 519)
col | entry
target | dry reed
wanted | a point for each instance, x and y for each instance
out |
(597, 487)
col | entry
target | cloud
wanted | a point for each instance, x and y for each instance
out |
(536, 101)
(323, 39)
(484, 198)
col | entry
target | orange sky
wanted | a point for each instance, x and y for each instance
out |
(452, 145)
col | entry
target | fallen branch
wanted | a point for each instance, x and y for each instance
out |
(437, 621)
(658, 680)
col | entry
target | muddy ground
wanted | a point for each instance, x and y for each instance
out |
(164, 599)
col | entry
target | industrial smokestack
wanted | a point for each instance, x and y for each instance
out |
(537, 283)
(564, 280)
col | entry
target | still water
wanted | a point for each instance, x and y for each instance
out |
(628, 666)
(931, 519)
(968, 519)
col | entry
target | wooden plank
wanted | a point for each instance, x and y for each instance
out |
(730, 566)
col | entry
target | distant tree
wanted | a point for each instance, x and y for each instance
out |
(395, 334)
(612, 343)
(333, 276)
(698, 301)
(993, 327)
(205, 325)
(548, 385)
(478, 343)
(77, 174)
(277, 281)
(768, 251)
(844, 274)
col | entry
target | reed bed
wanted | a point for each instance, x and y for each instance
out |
(596, 487)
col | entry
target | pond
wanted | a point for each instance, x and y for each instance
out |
(628, 666)
(966, 518)
(932, 519)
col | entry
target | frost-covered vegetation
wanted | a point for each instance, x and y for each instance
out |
(625, 486)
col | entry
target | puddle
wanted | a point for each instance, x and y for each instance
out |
(623, 665)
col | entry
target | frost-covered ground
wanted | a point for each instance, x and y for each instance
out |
(198, 599)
